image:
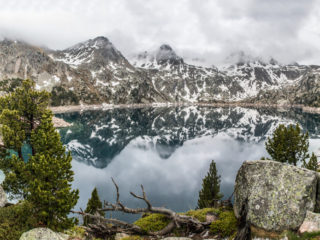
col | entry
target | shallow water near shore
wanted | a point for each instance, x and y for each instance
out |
(169, 149)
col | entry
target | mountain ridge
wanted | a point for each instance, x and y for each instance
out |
(95, 71)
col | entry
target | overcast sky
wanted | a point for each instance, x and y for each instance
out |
(287, 30)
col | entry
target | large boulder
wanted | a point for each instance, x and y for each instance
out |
(3, 197)
(274, 196)
(43, 234)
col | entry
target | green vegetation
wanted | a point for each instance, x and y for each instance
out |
(42, 176)
(61, 96)
(135, 237)
(304, 236)
(210, 194)
(290, 145)
(312, 164)
(93, 205)
(200, 214)
(226, 225)
(152, 222)
(16, 219)
(8, 85)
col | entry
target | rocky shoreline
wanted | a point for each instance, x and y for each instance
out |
(78, 108)
(59, 122)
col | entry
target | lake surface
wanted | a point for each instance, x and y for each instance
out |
(169, 150)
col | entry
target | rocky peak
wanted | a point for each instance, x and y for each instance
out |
(166, 47)
(98, 50)
(96, 43)
(163, 56)
(166, 54)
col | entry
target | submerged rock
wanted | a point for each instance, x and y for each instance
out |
(276, 196)
(43, 234)
(311, 223)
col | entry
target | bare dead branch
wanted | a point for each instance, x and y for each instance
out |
(176, 220)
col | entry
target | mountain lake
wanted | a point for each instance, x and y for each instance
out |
(169, 150)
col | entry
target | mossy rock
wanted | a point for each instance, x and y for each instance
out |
(152, 222)
(134, 237)
(200, 214)
(226, 225)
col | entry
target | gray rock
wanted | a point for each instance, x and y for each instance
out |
(311, 223)
(177, 238)
(277, 195)
(43, 234)
(119, 236)
(3, 197)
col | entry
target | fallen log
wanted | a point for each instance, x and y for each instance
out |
(104, 227)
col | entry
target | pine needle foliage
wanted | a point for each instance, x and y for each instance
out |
(93, 206)
(43, 177)
(288, 144)
(210, 194)
(312, 164)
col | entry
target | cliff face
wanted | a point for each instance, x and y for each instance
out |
(94, 71)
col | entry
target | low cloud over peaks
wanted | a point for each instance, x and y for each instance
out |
(208, 30)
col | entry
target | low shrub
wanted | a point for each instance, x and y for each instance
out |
(226, 225)
(152, 222)
(200, 214)
(15, 220)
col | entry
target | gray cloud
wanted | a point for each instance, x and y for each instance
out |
(287, 29)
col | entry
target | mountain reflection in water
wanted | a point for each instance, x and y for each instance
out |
(169, 150)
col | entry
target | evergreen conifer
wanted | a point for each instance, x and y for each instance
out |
(93, 206)
(44, 177)
(210, 194)
(312, 164)
(288, 145)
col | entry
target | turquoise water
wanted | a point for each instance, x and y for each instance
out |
(169, 150)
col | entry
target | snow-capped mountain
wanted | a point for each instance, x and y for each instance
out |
(94, 71)
(164, 56)
(98, 136)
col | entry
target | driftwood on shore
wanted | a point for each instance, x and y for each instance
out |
(107, 226)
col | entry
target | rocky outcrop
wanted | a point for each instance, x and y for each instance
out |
(60, 123)
(43, 234)
(311, 223)
(3, 197)
(276, 196)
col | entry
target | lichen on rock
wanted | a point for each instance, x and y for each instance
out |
(3, 197)
(277, 195)
(43, 234)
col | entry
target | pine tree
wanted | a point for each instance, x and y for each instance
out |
(49, 186)
(20, 112)
(210, 194)
(288, 145)
(312, 164)
(93, 206)
(44, 178)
